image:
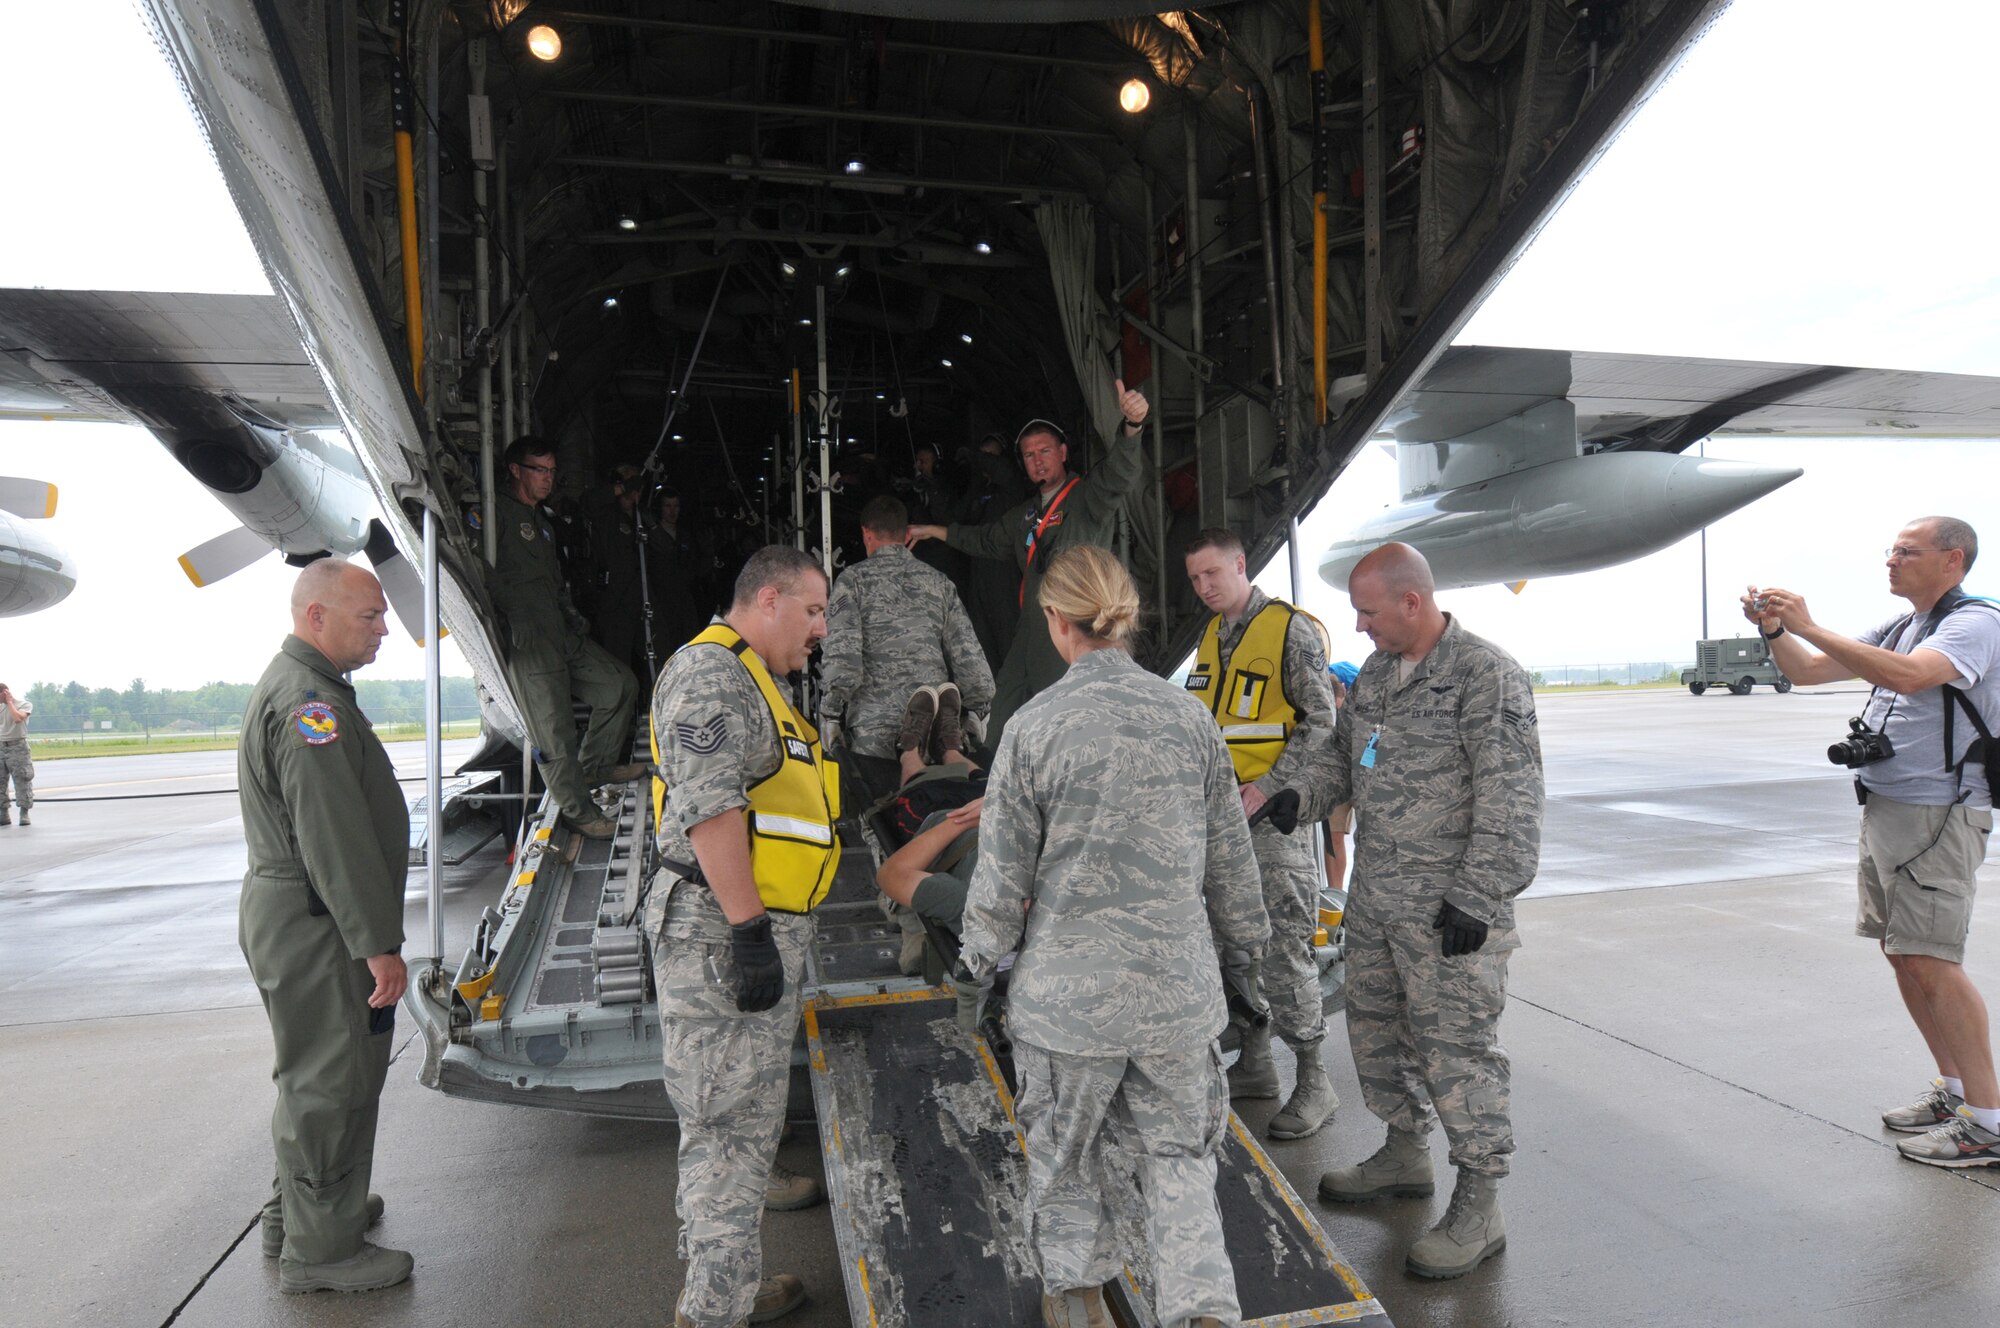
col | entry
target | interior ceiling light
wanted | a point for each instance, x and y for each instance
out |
(966, 337)
(881, 396)
(945, 363)
(855, 166)
(544, 42)
(788, 269)
(982, 248)
(611, 301)
(842, 270)
(677, 437)
(1135, 96)
(627, 224)
(805, 322)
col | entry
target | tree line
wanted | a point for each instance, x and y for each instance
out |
(71, 707)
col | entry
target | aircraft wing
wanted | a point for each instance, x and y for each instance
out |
(1475, 395)
(89, 355)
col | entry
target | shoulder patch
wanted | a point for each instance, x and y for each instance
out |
(703, 739)
(317, 723)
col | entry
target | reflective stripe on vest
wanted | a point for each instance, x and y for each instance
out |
(1250, 702)
(793, 847)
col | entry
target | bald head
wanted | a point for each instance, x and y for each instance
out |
(1395, 601)
(1400, 570)
(338, 609)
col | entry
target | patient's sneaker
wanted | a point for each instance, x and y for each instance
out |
(918, 716)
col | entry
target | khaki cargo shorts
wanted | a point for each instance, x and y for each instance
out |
(1916, 876)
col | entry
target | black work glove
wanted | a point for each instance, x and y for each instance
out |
(1463, 933)
(1281, 810)
(760, 969)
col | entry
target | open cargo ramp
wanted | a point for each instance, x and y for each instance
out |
(927, 1185)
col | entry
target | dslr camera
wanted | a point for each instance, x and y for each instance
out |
(1862, 746)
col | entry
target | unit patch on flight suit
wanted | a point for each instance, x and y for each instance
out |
(316, 723)
(528, 531)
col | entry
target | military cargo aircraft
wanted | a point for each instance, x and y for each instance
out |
(766, 248)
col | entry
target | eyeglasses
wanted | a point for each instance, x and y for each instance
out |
(539, 470)
(1902, 551)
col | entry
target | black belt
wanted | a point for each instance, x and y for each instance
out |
(687, 871)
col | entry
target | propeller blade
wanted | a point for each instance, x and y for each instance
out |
(402, 586)
(1517, 586)
(225, 555)
(33, 499)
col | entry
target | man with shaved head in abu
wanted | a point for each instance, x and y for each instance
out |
(1437, 749)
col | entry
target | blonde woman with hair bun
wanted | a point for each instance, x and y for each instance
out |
(1112, 815)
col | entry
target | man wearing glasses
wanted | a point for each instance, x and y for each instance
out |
(1066, 510)
(551, 658)
(1926, 808)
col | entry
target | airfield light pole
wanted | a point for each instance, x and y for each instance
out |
(433, 744)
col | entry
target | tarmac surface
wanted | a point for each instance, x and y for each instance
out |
(1700, 1046)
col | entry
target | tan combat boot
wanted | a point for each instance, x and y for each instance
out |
(369, 1270)
(786, 1190)
(1470, 1232)
(1253, 1075)
(1399, 1169)
(1079, 1307)
(1312, 1102)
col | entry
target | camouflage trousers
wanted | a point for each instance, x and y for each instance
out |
(1426, 1027)
(1084, 1118)
(18, 768)
(1288, 974)
(727, 1073)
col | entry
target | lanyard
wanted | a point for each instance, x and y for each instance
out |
(1035, 539)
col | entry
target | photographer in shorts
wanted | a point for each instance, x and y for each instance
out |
(1926, 809)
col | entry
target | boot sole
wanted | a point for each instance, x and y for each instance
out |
(1446, 1274)
(765, 1316)
(1254, 1093)
(1386, 1192)
(795, 1205)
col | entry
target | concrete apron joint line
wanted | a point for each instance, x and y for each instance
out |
(1516, 998)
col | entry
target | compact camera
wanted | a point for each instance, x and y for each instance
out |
(1862, 746)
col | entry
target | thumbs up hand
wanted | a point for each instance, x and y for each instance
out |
(1132, 404)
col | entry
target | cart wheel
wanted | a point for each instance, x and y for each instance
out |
(1742, 686)
(1783, 685)
(1697, 687)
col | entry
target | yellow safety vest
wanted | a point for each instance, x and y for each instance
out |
(793, 847)
(1250, 703)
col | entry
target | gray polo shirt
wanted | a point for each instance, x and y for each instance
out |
(1969, 637)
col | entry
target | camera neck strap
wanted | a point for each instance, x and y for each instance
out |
(1954, 698)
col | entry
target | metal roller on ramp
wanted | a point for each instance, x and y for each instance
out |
(928, 1185)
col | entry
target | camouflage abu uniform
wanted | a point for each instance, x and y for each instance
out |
(893, 625)
(17, 762)
(1089, 515)
(328, 835)
(1289, 975)
(551, 661)
(726, 1071)
(1112, 805)
(1448, 807)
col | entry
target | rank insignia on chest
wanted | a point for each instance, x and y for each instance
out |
(317, 723)
(528, 531)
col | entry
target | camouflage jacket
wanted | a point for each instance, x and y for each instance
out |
(1112, 810)
(893, 625)
(1449, 805)
(1306, 762)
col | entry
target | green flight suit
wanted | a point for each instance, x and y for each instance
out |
(551, 662)
(328, 835)
(1088, 515)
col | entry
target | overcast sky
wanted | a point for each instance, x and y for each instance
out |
(1814, 184)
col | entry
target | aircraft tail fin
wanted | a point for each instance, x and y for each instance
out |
(225, 555)
(402, 585)
(33, 499)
